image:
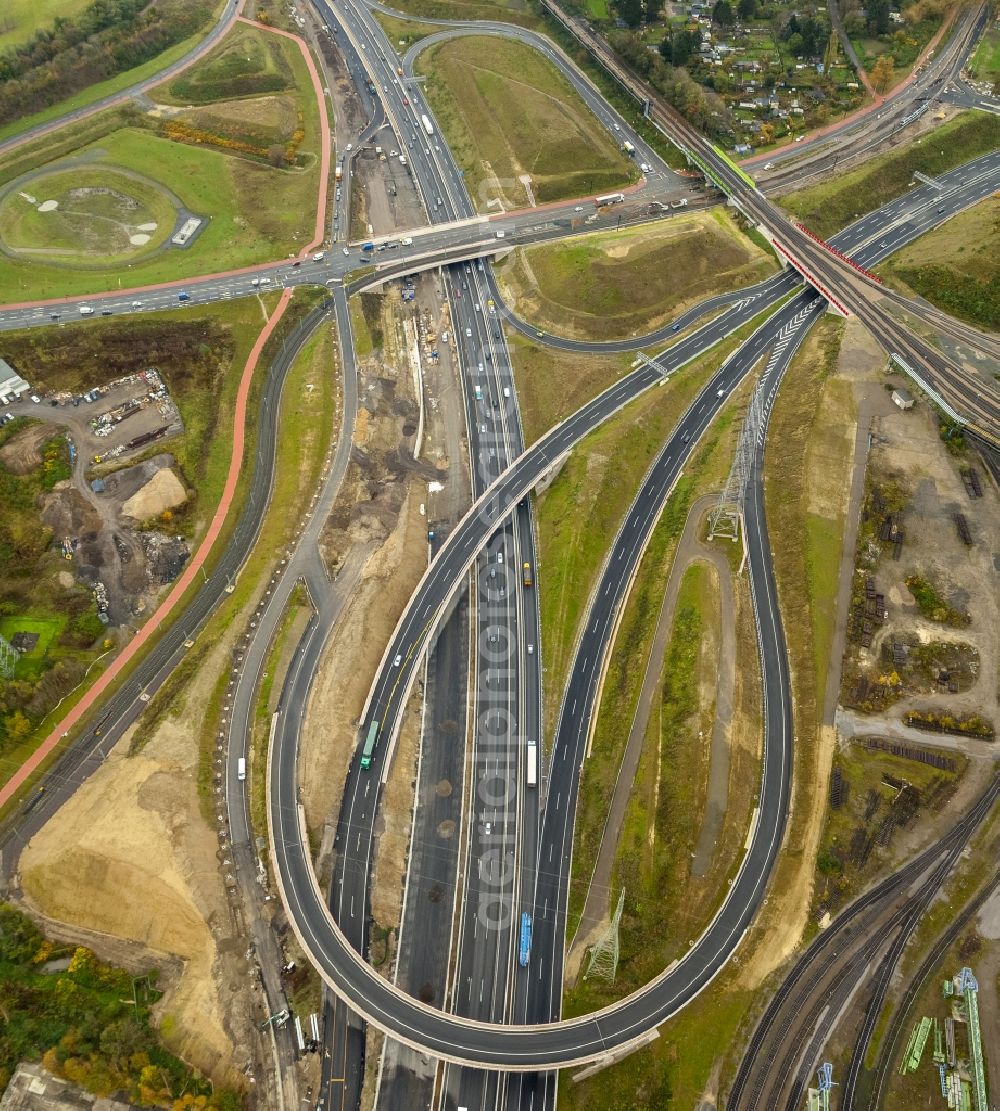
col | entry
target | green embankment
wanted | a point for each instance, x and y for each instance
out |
(627, 282)
(828, 207)
(506, 113)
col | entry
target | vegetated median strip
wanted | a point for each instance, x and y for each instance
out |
(166, 607)
(151, 74)
(830, 206)
(275, 665)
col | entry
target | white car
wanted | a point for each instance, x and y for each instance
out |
(397, 661)
(468, 333)
(346, 251)
(488, 828)
(720, 393)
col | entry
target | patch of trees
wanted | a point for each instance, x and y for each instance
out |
(107, 38)
(190, 354)
(806, 37)
(699, 105)
(89, 1023)
(635, 12)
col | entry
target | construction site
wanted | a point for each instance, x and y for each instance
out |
(111, 518)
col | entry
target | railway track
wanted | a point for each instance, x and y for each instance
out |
(757, 1060)
(898, 1021)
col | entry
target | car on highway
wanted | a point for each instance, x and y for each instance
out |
(720, 393)
(105, 312)
(531, 649)
(468, 333)
(397, 661)
(406, 102)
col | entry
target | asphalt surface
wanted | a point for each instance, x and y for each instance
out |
(570, 1041)
(483, 957)
(835, 279)
(291, 276)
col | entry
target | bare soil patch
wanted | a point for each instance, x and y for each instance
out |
(162, 492)
(22, 453)
(901, 656)
(129, 857)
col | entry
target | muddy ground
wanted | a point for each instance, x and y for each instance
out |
(892, 675)
(375, 543)
(112, 518)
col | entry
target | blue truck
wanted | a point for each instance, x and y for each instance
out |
(525, 947)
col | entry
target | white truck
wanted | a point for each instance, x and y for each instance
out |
(428, 126)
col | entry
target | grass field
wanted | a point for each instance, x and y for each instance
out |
(20, 19)
(248, 62)
(956, 266)
(552, 384)
(403, 33)
(510, 11)
(506, 113)
(255, 212)
(674, 1070)
(45, 628)
(100, 211)
(623, 283)
(660, 830)
(580, 513)
(985, 64)
(828, 207)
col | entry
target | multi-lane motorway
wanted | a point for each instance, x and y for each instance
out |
(584, 1038)
(506, 994)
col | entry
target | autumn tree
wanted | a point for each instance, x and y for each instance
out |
(882, 72)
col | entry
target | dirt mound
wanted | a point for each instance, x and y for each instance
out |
(23, 452)
(163, 491)
(129, 855)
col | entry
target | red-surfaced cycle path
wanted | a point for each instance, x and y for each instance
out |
(215, 528)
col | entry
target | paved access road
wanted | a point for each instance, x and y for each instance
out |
(408, 1020)
(846, 289)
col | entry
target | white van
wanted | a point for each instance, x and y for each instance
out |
(86, 310)
(241, 769)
